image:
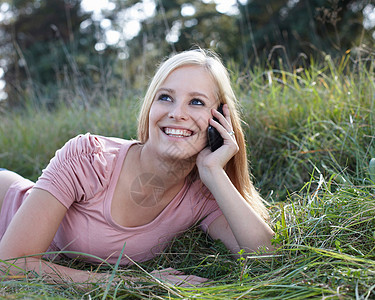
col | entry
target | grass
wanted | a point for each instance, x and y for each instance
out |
(310, 136)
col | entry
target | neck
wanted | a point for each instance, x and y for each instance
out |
(172, 171)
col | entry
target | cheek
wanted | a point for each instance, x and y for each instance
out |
(154, 115)
(202, 123)
(205, 121)
(202, 120)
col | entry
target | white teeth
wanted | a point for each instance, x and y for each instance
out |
(177, 132)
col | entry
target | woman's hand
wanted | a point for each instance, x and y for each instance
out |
(178, 278)
(208, 161)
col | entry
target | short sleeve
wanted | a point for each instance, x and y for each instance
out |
(205, 207)
(77, 171)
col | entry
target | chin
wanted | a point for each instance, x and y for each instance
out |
(182, 150)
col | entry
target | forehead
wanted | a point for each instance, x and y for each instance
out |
(192, 77)
(189, 69)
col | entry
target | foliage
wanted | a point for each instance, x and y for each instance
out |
(310, 117)
(43, 45)
(326, 249)
(47, 42)
(295, 30)
(41, 132)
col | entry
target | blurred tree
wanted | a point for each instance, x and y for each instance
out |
(287, 32)
(289, 28)
(44, 45)
(180, 25)
(47, 44)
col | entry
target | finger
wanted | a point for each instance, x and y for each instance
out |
(189, 280)
(224, 120)
(171, 271)
(198, 279)
(227, 114)
(225, 131)
(165, 273)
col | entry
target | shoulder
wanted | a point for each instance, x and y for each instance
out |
(81, 168)
(84, 152)
(90, 143)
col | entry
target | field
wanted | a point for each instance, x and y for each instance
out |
(310, 134)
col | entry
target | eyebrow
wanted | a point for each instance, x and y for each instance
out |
(193, 94)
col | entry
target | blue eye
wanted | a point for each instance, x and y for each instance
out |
(197, 102)
(165, 97)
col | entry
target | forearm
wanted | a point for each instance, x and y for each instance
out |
(50, 271)
(55, 273)
(251, 231)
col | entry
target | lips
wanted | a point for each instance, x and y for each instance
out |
(177, 132)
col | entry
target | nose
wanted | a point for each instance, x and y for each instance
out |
(178, 112)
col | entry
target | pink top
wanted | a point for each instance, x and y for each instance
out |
(83, 176)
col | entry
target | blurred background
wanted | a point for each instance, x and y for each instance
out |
(46, 46)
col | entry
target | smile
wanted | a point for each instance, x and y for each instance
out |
(177, 132)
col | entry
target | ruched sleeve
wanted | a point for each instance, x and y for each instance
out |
(79, 170)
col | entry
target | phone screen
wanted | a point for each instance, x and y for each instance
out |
(215, 140)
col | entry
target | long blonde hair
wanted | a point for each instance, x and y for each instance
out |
(237, 168)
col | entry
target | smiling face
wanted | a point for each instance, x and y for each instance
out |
(180, 112)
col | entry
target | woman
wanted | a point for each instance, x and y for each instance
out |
(99, 195)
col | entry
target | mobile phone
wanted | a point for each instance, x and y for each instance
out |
(215, 139)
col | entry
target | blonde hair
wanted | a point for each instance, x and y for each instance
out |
(237, 168)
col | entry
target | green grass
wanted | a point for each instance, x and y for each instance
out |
(29, 138)
(310, 135)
